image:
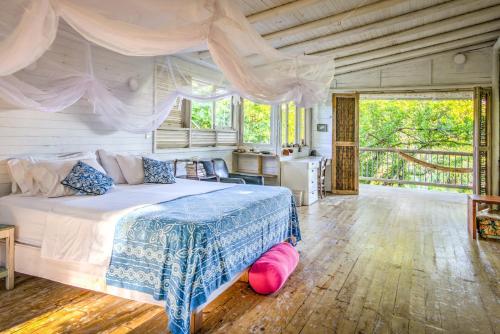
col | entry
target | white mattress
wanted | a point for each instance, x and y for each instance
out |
(29, 217)
(81, 228)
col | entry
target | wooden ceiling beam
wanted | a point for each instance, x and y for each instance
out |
(335, 19)
(474, 42)
(454, 35)
(280, 10)
(422, 18)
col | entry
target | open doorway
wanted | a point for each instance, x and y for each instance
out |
(417, 140)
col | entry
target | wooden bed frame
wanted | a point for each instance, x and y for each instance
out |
(197, 314)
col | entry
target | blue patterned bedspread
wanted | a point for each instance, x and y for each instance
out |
(182, 250)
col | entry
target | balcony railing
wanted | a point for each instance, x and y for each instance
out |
(416, 167)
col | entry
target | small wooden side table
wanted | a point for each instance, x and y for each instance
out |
(7, 233)
(472, 202)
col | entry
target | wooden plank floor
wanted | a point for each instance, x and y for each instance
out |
(387, 261)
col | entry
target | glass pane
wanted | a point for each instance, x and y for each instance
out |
(291, 123)
(284, 140)
(256, 123)
(223, 114)
(201, 115)
(302, 126)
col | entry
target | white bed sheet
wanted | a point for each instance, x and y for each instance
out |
(81, 228)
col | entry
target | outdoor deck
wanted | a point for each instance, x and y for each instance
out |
(388, 260)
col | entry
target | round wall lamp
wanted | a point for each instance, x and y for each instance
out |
(133, 84)
(459, 59)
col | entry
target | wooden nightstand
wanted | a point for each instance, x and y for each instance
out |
(7, 233)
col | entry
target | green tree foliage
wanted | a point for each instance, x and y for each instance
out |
(201, 115)
(445, 125)
(256, 123)
(223, 113)
(417, 124)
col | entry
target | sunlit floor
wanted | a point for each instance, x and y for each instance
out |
(388, 260)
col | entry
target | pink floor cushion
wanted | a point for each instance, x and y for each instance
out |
(269, 273)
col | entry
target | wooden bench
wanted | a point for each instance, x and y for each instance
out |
(7, 233)
(472, 203)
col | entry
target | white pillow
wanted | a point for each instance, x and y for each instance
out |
(14, 187)
(19, 169)
(47, 176)
(110, 164)
(132, 168)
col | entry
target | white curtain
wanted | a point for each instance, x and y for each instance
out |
(246, 65)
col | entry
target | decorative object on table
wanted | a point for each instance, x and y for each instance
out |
(7, 233)
(269, 273)
(313, 153)
(285, 152)
(322, 127)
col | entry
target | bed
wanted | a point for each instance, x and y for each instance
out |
(175, 245)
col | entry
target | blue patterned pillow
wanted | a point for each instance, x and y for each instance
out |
(87, 180)
(156, 171)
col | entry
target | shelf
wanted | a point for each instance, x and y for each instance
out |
(256, 174)
(256, 154)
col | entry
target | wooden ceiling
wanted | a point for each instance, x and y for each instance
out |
(363, 34)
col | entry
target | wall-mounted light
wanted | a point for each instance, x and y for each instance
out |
(133, 84)
(459, 59)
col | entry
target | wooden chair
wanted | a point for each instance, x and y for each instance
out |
(321, 178)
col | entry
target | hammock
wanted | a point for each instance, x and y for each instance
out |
(409, 158)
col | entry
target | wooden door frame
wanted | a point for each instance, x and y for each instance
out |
(355, 143)
(477, 147)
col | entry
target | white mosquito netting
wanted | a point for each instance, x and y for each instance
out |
(245, 65)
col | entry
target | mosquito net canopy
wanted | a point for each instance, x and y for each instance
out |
(244, 64)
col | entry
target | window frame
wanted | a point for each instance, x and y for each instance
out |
(214, 112)
(298, 126)
(273, 122)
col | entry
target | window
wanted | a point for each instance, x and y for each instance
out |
(223, 114)
(256, 123)
(302, 126)
(293, 124)
(212, 115)
(202, 115)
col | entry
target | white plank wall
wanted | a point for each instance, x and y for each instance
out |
(438, 70)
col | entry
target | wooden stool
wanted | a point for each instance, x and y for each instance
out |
(7, 233)
(472, 203)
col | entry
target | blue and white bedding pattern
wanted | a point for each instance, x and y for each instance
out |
(182, 250)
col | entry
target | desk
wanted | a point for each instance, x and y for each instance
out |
(472, 202)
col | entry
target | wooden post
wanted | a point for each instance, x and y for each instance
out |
(471, 217)
(196, 321)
